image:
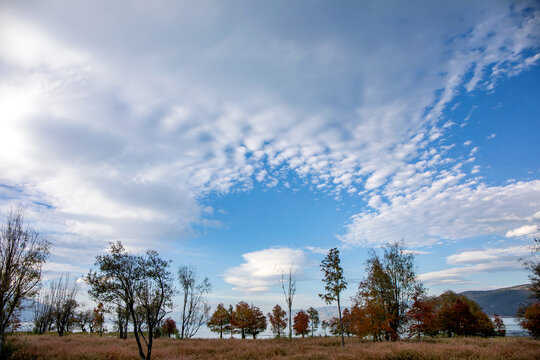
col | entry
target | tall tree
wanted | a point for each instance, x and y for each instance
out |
(277, 320)
(22, 255)
(392, 282)
(334, 283)
(301, 323)
(219, 321)
(195, 309)
(63, 293)
(289, 290)
(313, 319)
(141, 283)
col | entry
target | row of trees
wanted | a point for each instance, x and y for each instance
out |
(248, 319)
(449, 314)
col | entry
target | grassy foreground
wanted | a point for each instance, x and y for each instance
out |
(84, 346)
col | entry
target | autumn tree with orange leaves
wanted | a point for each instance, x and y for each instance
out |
(169, 327)
(277, 319)
(422, 318)
(301, 323)
(248, 319)
(219, 321)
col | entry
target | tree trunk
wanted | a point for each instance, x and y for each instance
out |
(340, 322)
(136, 332)
(150, 341)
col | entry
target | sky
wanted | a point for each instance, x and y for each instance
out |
(247, 137)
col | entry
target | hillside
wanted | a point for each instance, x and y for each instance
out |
(504, 301)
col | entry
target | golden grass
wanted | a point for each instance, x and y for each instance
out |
(84, 346)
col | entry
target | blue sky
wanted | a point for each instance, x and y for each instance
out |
(244, 136)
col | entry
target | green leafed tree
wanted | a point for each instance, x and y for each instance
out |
(334, 283)
(141, 284)
(314, 321)
(391, 282)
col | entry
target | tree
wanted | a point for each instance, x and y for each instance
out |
(277, 320)
(143, 284)
(22, 255)
(99, 318)
(43, 313)
(121, 322)
(324, 326)
(195, 310)
(242, 317)
(392, 282)
(63, 293)
(422, 317)
(230, 328)
(334, 283)
(169, 327)
(289, 290)
(219, 321)
(347, 321)
(301, 323)
(529, 319)
(257, 323)
(85, 319)
(500, 328)
(314, 321)
(533, 265)
(248, 319)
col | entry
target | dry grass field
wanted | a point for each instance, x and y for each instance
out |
(84, 346)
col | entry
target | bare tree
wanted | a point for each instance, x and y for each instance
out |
(63, 292)
(43, 313)
(22, 255)
(289, 289)
(195, 310)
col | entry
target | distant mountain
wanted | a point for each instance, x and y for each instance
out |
(504, 301)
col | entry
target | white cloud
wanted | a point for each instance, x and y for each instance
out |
(492, 136)
(318, 250)
(467, 143)
(416, 252)
(522, 230)
(262, 269)
(445, 210)
(475, 262)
